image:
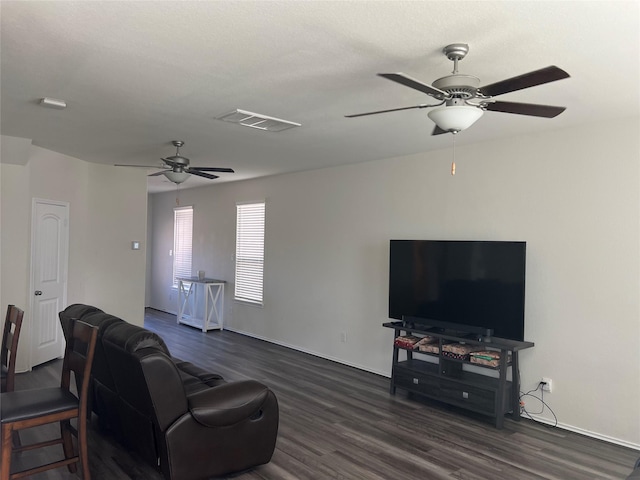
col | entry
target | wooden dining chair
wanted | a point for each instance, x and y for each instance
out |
(10, 336)
(31, 408)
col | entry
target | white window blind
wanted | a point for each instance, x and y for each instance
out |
(182, 239)
(250, 252)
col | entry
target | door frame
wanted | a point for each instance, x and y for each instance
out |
(32, 281)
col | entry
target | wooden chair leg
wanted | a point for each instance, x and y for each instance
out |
(5, 464)
(67, 443)
(83, 450)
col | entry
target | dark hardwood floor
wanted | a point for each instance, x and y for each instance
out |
(337, 422)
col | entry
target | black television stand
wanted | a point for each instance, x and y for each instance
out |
(413, 327)
(449, 380)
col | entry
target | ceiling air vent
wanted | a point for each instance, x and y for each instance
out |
(257, 120)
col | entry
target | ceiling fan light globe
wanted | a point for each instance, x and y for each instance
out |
(176, 177)
(455, 118)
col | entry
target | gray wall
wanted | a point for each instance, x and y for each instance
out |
(573, 195)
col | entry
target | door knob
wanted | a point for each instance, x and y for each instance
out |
(38, 292)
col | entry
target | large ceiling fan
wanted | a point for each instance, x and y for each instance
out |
(177, 168)
(463, 101)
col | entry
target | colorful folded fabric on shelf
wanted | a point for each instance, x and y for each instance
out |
(459, 351)
(426, 341)
(430, 348)
(433, 347)
(489, 358)
(407, 341)
(461, 348)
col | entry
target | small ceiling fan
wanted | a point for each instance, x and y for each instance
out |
(463, 101)
(177, 168)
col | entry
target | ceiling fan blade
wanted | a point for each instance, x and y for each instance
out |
(438, 131)
(386, 111)
(136, 166)
(403, 79)
(158, 173)
(547, 111)
(212, 169)
(531, 79)
(202, 174)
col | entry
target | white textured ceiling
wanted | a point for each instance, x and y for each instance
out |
(136, 75)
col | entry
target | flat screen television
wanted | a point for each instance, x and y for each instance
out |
(464, 286)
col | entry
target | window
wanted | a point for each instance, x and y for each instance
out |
(250, 252)
(182, 238)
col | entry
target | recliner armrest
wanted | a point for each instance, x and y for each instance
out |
(228, 404)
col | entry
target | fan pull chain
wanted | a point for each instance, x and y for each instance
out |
(453, 163)
(177, 194)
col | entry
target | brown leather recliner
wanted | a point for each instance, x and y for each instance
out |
(190, 422)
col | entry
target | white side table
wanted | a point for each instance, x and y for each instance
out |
(212, 293)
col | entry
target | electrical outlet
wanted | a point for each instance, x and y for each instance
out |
(343, 337)
(547, 384)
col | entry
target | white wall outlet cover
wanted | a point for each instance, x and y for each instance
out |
(135, 245)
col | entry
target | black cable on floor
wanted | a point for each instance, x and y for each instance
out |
(523, 410)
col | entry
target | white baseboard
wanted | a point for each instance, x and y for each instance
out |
(310, 352)
(587, 433)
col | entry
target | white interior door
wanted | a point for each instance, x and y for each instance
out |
(49, 265)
